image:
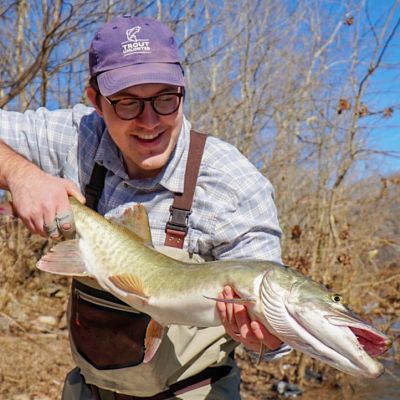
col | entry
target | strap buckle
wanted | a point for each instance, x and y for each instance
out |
(178, 220)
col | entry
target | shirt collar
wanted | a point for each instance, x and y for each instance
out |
(109, 156)
(172, 175)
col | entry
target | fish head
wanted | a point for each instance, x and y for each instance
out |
(317, 322)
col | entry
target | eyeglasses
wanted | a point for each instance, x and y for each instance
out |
(132, 107)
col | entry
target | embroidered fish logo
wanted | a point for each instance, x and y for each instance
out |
(131, 33)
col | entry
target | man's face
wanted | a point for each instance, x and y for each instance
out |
(147, 141)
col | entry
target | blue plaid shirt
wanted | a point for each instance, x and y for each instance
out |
(233, 213)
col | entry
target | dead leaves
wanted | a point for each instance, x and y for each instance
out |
(349, 20)
(362, 109)
(388, 112)
(343, 105)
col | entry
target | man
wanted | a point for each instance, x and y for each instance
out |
(140, 138)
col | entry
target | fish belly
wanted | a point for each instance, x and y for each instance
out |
(193, 310)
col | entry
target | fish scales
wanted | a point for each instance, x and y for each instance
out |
(292, 307)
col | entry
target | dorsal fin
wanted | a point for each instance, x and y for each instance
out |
(135, 218)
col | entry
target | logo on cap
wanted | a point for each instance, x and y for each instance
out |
(134, 45)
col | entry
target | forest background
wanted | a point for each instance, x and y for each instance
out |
(308, 90)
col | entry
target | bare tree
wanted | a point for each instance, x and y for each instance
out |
(299, 87)
(47, 54)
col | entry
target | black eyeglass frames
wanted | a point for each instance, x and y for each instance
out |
(131, 107)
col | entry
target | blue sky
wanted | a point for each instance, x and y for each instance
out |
(387, 84)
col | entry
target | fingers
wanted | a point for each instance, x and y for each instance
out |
(64, 216)
(57, 216)
(51, 229)
(227, 314)
(234, 317)
(269, 340)
(61, 223)
(66, 224)
(241, 328)
(72, 190)
(228, 294)
(47, 212)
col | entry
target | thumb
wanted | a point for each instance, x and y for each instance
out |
(72, 190)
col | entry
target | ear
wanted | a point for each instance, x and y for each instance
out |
(92, 94)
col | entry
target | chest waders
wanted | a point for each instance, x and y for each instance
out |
(105, 331)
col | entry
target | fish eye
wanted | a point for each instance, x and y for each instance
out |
(337, 298)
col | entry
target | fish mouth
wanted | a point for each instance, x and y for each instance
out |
(336, 336)
(364, 337)
(372, 341)
(373, 344)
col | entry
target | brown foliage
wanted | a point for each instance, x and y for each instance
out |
(388, 112)
(349, 20)
(363, 110)
(343, 105)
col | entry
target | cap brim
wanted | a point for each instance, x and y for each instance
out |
(115, 80)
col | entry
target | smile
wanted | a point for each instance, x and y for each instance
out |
(148, 138)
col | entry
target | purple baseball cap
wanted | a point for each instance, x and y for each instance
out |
(129, 51)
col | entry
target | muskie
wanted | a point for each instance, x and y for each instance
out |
(297, 310)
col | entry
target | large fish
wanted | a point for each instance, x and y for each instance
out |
(299, 311)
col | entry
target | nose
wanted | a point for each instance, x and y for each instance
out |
(148, 119)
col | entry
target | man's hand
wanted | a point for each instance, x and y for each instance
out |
(239, 327)
(41, 201)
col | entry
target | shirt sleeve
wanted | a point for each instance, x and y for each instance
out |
(248, 226)
(47, 138)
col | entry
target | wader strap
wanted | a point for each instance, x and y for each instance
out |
(95, 187)
(177, 226)
(176, 230)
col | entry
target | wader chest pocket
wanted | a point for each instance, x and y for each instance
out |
(106, 332)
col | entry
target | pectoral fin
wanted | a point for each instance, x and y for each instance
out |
(129, 283)
(64, 259)
(242, 300)
(152, 341)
